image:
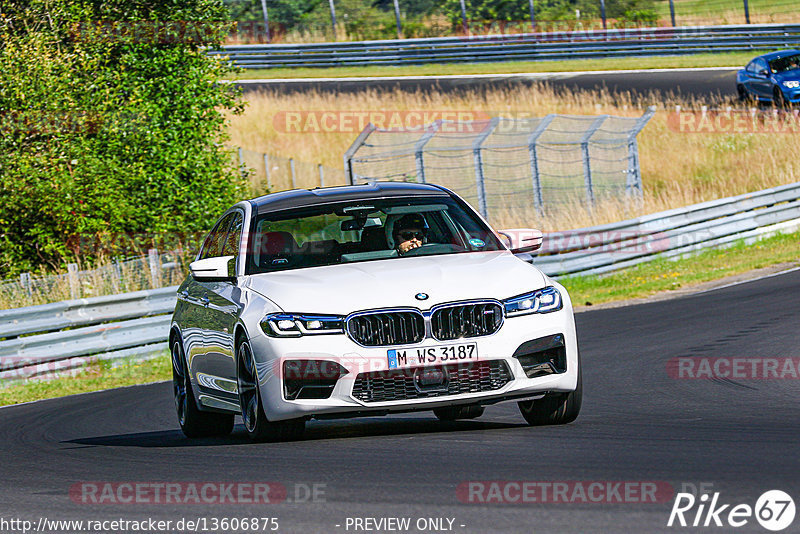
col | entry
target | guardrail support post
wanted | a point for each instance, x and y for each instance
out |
(291, 171)
(419, 149)
(538, 201)
(587, 166)
(74, 283)
(155, 267)
(746, 12)
(321, 175)
(480, 180)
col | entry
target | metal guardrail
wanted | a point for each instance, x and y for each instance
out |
(137, 324)
(527, 46)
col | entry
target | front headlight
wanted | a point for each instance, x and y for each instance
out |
(301, 324)
(543, 300)
(791, 84)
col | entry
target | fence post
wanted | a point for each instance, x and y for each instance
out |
(419, 148)
(603, 13)
(74, 283)
(321, 175)
(634, 182)
(533, 15)
(266, 18)
(155, 267)
(480, 180)
(333, 18)
(587, 167)
(397, 19)
(348, 155)
(464, 18)
(242, 166)
(266, 172)
(117, 274)
(291, 169)
(538, 202)
(25, 280)
(672, 12)
(746, 12)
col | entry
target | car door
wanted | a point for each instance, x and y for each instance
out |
(750, 77)
(218, 374)
(762, 86)
(197, 296)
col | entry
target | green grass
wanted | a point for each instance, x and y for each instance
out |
(641, 281)
(95, 378)
(665, 275)
(734, 59)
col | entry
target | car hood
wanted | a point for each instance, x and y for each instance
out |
(346, 288)
(789, 75)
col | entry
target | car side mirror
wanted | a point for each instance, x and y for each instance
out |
(522, 240)
(763, 73)
(214, 269)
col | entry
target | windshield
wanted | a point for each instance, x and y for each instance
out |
(362, 230)
(784, 64)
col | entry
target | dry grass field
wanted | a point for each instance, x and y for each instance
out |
(678, 167)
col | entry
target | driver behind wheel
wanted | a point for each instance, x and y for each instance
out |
(410, 232)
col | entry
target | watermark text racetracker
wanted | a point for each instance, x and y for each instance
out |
(149, 524)
(742, 367)
(191, 493)
(564, 492)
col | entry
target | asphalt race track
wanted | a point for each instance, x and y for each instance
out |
(637, 424)
(698, 83)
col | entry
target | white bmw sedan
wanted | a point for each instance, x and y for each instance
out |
(367, 300)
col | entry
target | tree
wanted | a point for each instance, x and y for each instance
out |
(113, 123)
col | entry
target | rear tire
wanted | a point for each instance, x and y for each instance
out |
(554, 408)
(453, 413)
(194, 423)
(743, 95)
(258, 427)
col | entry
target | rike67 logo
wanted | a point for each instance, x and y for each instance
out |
(774, 510)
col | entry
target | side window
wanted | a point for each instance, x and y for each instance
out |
(751, 67)
(212, 248)
(761, 65)
(231, 246)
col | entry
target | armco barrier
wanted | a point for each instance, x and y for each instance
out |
(528, 46)
(136, 325)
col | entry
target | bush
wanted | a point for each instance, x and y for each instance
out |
(112, 123)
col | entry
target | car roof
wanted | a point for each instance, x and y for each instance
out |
(299, 198)
(779, 54)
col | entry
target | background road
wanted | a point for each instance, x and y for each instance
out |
(637, 424)
(699, 83)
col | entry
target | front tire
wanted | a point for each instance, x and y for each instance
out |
(554, 408)
(255, 421)
(778, 99)
(194, 423)
(453, 413)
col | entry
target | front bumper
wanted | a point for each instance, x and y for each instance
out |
(270, 353)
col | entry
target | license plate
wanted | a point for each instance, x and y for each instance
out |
(440, 354)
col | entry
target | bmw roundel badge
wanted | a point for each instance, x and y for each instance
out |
(421, 296)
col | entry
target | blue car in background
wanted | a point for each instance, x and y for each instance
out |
(773, 77)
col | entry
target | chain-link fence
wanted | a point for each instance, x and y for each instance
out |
(121, 275)
(270, 173)
(502, 165)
